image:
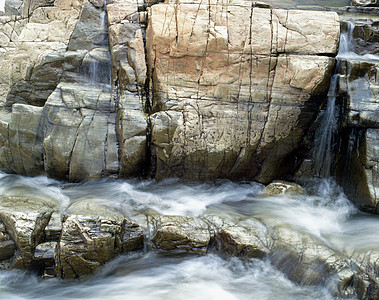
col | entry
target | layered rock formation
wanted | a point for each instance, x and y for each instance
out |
(220, 99)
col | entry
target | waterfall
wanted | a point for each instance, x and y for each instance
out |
(323, 151)
(323, 154)
(99, 69)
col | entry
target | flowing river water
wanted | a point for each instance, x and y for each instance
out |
(323, 211)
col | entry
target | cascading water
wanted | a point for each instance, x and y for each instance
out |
(99, 66)
(323, 152)
(324, 137)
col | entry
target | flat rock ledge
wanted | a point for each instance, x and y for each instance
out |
(34, 235)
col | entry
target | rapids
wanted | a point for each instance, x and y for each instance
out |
(323, 211)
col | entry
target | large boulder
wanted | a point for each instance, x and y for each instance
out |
(92, 234)
(234, 98)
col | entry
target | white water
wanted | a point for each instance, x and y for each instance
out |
(323, 155)
(324, 137)
(155, 277)
(346, 50)
(323, 212)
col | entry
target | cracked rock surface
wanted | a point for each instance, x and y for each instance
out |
(228, 89)
(234, 86)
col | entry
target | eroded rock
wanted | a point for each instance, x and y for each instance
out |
(25, 220)
(179, 234)
(92, 234)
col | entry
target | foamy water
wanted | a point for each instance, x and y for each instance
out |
(322, 211)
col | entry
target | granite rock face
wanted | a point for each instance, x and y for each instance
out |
(233, 98)
(216, 98)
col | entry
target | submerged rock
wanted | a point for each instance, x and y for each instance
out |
(283, 187)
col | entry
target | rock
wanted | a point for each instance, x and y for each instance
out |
(35, 65)
(365, 33)
(303, 258)
(360, 84)
(92, 234)
(283, 187)
(178, 235)
(44, 254)
(243, 241)
(30, 5)
(373, 3)
(218, 91)
(129, 74)
(25, 220)
(54, 228)
(25, 147)
(358, 170)
(7, 248)
(310, 262)
(7, 245)
(77, 118)
(133, 237)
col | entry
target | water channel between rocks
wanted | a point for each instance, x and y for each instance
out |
(323, 212)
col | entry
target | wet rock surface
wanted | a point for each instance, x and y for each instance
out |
(357, 168)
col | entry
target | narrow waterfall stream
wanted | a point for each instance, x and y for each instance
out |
(324, 141)
(323, 211)
(97, 66)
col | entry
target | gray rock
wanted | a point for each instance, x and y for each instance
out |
(178, 235)
(54, 228)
